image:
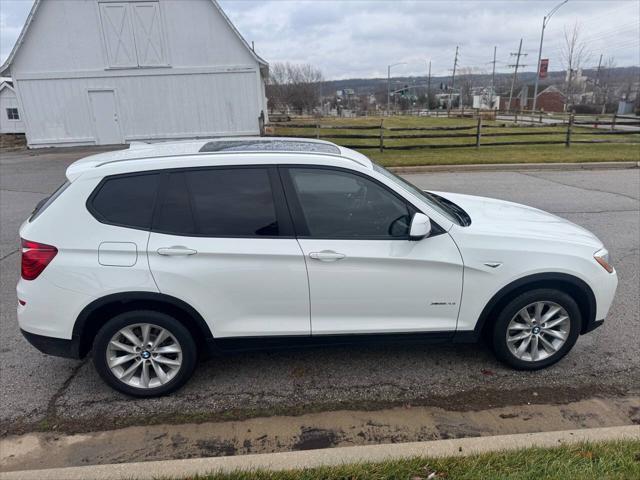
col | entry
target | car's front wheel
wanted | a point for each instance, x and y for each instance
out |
(536, 329)
(144, 353)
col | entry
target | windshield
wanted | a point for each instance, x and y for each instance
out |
(433, 201)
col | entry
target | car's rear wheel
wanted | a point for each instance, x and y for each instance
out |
(536, 329)
(144, 353)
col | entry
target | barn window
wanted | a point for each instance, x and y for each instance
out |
(12, 114)
(133, 34)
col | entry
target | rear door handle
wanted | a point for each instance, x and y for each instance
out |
(327, 256)
(176, 251)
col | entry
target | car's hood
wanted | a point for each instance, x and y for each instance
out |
(499, 217)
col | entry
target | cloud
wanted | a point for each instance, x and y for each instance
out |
(359, 38)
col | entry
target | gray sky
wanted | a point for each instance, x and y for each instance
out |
(359, 38)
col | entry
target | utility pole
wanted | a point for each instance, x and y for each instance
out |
(493, 79)
(515, 72)
(545, 20)
(453, 78)
(429, 87)
(388, 87)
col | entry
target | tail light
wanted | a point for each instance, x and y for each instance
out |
(35, 258)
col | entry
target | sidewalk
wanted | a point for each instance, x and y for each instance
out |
(326, 457)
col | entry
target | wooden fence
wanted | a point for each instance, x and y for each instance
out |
(380, 133)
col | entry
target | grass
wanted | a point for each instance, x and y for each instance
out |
(625, 147)
(588, 461)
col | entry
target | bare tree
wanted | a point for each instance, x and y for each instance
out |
(605, 88)
(465, 84)
(297, 86)
(574, 54)
(276, 87)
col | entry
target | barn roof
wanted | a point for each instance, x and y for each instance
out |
(6, 84)
(5, 68)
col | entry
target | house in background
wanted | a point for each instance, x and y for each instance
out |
(10, 120)
(97, 72)
(551, 99)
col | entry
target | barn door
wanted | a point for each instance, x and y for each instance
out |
(148, 34)
(105, 117)
(133, 34)
(118, 34)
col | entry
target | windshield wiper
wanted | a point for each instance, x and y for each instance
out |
(465, 219)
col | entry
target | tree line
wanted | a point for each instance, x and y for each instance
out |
(295, 86)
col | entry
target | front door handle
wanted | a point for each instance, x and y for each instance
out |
(327, 256)
(176, 251)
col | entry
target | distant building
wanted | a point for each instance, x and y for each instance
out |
(550, 100)
(345, 93)
(97, 72)
(625, 107)
(485, 99)
(10, 115)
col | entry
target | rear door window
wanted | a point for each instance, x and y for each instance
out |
(126, 201)
(219, 202)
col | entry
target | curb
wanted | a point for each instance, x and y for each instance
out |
(491, 167)
(179, 469)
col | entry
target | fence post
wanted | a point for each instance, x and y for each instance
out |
(540, 119)
(317, 129)
(567, 143)
(479, 129)
(381, 136)
(613, 122)
(515, 117)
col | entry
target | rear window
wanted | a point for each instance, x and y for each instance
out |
(44, 203)
(126, 201)
(220, 202)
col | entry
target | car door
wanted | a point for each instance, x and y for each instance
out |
(365, 274)
(222, 241)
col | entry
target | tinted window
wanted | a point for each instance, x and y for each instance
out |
(176, 215)
(127, 201)
(343, 205)
(219, 203)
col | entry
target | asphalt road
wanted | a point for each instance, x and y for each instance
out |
(39, 392)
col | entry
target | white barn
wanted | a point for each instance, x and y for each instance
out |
(10, 116)
(98, 72)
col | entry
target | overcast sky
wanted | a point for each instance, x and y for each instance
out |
(359, 38)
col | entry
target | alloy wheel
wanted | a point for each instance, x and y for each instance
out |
(144, 355)
(538, 331)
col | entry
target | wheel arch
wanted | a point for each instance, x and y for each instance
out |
(98, 312)
(574, 286)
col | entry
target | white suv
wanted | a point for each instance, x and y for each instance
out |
(157, 254)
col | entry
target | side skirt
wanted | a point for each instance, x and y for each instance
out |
(246, 344)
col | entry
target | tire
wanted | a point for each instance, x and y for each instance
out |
(169, 364)
(520, 355)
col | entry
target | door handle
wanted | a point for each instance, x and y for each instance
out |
(327, 256)
(176, 251)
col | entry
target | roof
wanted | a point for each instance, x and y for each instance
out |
(34, 9)
(551, 89)
(270, 145)
(140, 151)
(6, 84)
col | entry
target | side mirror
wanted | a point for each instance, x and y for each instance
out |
(420, 227)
